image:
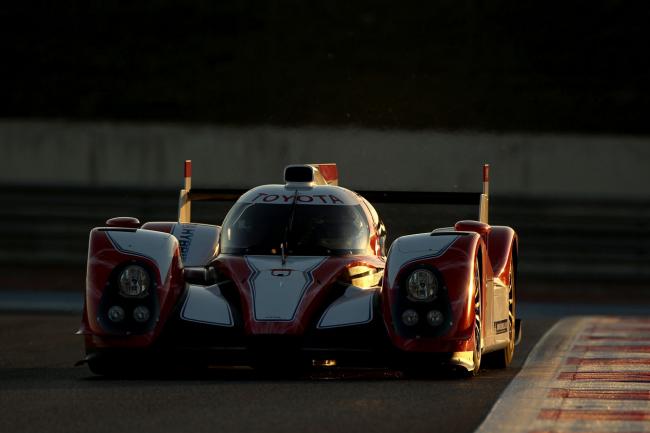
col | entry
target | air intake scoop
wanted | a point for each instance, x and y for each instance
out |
(311, 174)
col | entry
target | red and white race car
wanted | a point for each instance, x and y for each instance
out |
(298, 273)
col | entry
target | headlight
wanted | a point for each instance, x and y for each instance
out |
(435, 318)
(116, 313)
(141, 314)
(422, 285)
(134, 282)
(410, 317)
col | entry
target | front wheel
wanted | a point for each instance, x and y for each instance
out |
(101, 366)
(503, 357)
(120, 364)
(478, 330)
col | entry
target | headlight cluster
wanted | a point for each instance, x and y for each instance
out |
(134, 285)
(422, 285)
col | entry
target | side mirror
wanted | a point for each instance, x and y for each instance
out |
(200, 276)
(381, 232)
(381, 229)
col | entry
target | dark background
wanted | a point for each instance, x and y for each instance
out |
(533, 66)
(497, 65)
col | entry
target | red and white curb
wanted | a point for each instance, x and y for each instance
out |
(586, 375)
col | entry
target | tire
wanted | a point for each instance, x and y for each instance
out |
(503, 357)
(478, 327)
(117, 365)
(102, 367)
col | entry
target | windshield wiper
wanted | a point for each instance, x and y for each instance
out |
(284, 245)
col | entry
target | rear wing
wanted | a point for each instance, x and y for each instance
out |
(188, 195)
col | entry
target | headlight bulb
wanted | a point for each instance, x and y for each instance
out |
(410, 317)
(435, 318)
(422, 285)
(116, 314)
(141, 314)
(134, 282)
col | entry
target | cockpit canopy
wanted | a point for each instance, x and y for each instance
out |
(308, 230)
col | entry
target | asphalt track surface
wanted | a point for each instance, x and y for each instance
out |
(41, 391)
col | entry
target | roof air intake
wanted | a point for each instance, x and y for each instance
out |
(308, 175)
(299, 174)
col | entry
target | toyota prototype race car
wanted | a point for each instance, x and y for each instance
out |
(298, 275)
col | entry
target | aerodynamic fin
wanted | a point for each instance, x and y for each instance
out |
(184, 202)
(485, 196)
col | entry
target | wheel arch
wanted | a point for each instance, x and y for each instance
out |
(502, 243)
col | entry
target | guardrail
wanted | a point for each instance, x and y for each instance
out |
(559, 239)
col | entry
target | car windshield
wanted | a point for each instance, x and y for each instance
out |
(259, 228)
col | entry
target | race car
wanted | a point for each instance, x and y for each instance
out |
(298, 275)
